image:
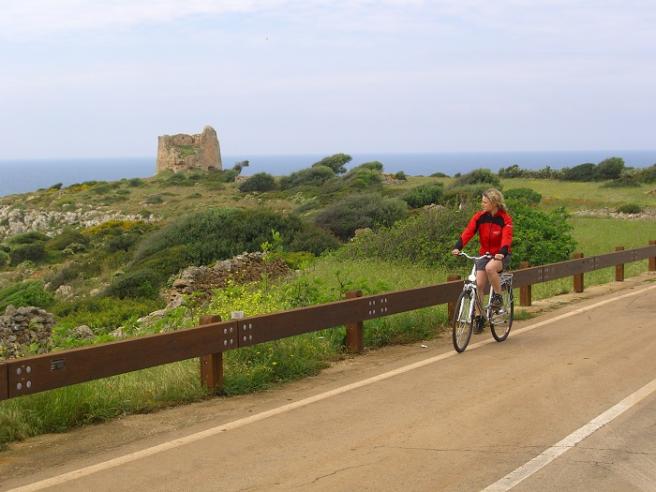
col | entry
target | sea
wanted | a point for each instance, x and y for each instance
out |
(24, 175)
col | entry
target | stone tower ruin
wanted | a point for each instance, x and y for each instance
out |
(183, 152)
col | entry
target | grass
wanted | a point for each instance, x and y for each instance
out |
(579, 195)
(328, 279)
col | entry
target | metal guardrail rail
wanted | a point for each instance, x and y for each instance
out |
(30, 375)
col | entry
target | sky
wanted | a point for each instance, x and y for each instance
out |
(82, 78)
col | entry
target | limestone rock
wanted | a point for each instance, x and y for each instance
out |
(64, 291)
(83, 332)
(183, 152)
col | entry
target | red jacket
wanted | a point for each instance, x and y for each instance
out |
(494, 232)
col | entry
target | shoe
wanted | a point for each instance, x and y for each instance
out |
(479, 324)
(497, 301)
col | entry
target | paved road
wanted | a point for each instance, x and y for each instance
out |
(459, 422)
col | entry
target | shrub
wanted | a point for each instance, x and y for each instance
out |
(526, 196)
(361, 211)
(258, 182)
(57, 186)
(137, 284)
(582, 172)
(427, 237)
(35, 252)
(336, 162)
(439, 175)
(218, 234)
(478, 176)
(154, 199)
(65, 238)
(30, 293)
(5, 259)
(400, 176)
(28, 238)
(610, 168)
(364, 176)
(373, 165)
(513, 171)
(424, 195)
(624, 181)
(315, 240)
(136, 182)
(540, 237)
(465, 196)
(648, 174)
(630, 208)
(313, 176)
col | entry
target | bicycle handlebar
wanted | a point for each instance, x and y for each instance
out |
(474, 258)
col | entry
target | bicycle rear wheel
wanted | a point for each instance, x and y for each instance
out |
(463, 321)
(501, 322)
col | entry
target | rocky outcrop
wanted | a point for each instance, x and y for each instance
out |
(14, 220)
(24, 330)
(247, 267)
(183, 152)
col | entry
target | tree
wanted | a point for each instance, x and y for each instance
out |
(610, 168)
(335, 162)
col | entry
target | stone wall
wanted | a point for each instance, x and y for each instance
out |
(24, 330)
(183, 152)
(247, 267)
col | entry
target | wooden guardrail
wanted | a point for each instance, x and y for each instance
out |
(30, 375)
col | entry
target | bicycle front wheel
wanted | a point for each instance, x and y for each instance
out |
(463, 321)
(501, 322)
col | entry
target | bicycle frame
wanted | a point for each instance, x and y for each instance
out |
(472, 286)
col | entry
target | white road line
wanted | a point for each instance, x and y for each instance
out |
(561, 447)
(121, 460)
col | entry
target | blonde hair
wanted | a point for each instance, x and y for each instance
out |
(496, 197)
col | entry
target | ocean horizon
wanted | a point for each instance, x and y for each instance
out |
(25, 175)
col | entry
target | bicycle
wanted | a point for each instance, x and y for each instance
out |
(500, 319)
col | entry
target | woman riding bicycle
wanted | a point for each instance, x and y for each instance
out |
(494, 227)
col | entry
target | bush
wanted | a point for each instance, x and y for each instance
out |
(68, 236)
(478, 176)
(439, 175)
(28, 238)
(465, 196)
(582, 172)
(315, 240)
(427, 238)
(217, 234)
(336, 162)
(30, 293)
(154, 199)
(35, 252)
(365, 176)
(401, 176)
(611, 168)
(513, 171)
(137, 284)
(424, 195)
(5, 259)
(373, 165)
(624, 181)
(525, 196)
(630, 208)
(361, 211)
(258, 182)
(313, 176)
(648, 174)
(136, 182)
(540, 237)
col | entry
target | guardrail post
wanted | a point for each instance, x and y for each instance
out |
(354, 331)
(619, 268)
(4, 381)
(211, 365)
(525, 292)
(578, 278)
(451, 306)
(652, 259)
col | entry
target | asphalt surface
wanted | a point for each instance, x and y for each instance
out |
(457, 423)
